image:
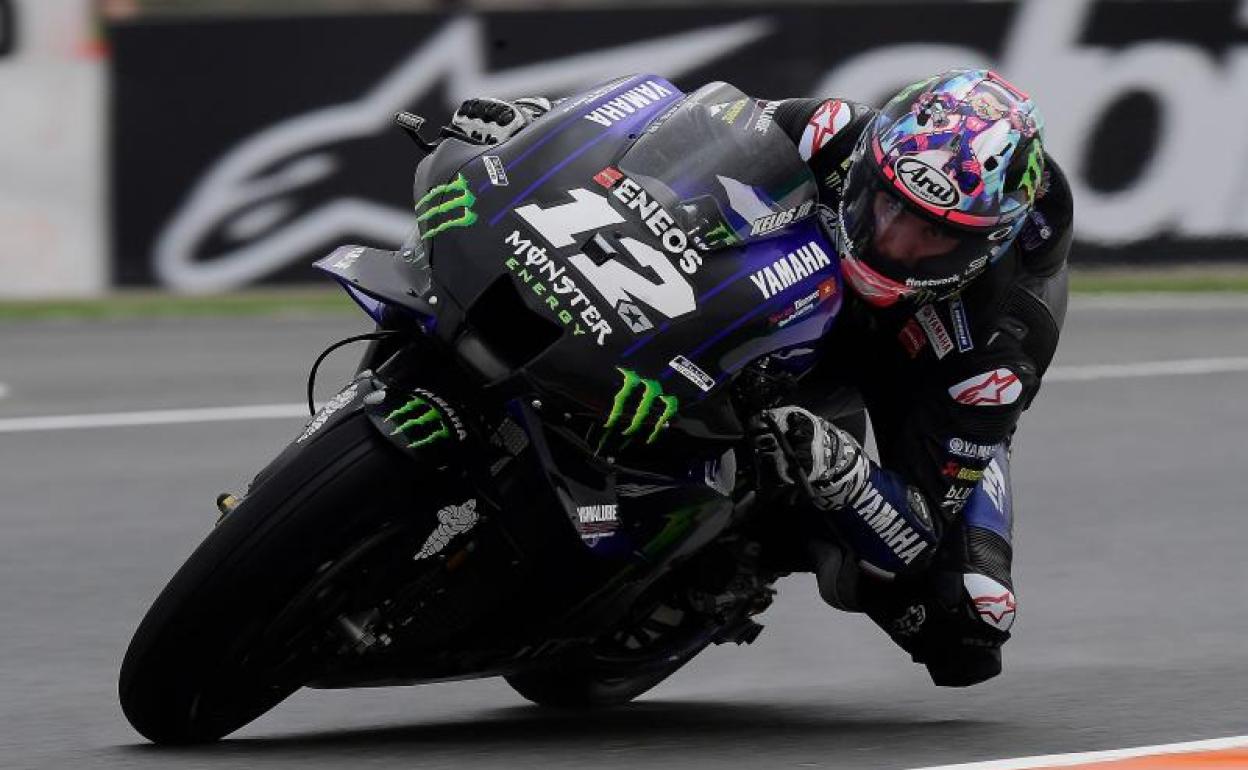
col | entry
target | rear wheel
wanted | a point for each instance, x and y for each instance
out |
(590, 684)
(617, 669)
(205, 660)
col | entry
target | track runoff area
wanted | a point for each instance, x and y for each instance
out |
(286, 411)
(1217, 754)
(1100, 360)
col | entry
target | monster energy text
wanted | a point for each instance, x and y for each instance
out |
(651, 392)
(460, 199)
(558, 290)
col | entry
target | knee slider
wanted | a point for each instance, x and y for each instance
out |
(964, 666)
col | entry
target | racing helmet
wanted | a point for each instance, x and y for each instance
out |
(939, 186)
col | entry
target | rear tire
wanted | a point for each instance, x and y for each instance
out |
(195, 670)
(589, 684)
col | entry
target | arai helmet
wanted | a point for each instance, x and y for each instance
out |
(939, 186)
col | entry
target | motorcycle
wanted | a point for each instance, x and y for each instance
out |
(541, 469)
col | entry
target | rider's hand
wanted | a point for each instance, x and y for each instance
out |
(490, 121)
(826, 462)
(808, 437)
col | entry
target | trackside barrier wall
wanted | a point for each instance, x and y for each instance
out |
(52, 142)
(243, 148)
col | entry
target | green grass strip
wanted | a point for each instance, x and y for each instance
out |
(1182, 281)
(155, 305)
(332, 301)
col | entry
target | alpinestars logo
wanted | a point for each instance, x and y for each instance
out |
(994, 603)
(421, 423)
(276, 197)
(446, 199)
(995, 388)
(452, 520)
(831, 117)
(647, 403)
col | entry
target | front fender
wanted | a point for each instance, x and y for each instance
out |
(418, 422)
(407, 402)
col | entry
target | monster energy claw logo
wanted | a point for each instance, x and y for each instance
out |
(722, 235)
(461, 198)
(1031, 174)
(652, 391)
(424, 422)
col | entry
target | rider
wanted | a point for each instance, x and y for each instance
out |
(953, 225)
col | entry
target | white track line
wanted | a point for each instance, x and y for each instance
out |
(291, 411)
(159, 417)
(1066, 760)
(1150, 301)
(1145, 369)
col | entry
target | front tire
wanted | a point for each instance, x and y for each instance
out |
(195, 670)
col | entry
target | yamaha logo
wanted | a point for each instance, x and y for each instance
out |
(926, 182)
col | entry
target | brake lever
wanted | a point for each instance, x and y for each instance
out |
(411, 124)
(790, 456)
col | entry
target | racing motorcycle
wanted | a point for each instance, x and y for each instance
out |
(540, 469)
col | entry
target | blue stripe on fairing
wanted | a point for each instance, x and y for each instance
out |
(667, 372)
(642, 116)
(733, 326)
(551, 134)
(711, 292)
(370, 305)
(641, 343)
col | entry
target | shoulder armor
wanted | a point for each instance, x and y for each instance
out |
(813, 123)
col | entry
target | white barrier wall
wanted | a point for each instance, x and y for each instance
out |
(52, 80)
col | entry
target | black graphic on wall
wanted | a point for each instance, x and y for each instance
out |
(270, 141)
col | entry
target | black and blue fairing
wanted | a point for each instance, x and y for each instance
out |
(649, 324)
(713, 162)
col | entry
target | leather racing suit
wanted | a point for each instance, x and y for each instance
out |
(944, 384)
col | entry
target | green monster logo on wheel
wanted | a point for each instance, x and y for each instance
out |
(423, 424)
(651, 396)
(461, 198)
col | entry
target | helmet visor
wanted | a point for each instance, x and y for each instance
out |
(907, 248)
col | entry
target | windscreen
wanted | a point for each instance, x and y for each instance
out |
(721, 166)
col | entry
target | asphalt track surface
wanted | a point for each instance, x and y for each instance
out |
(1130, 566)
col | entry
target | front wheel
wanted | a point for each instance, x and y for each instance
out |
(204, 661)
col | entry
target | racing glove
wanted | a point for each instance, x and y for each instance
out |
(490, 121)
(825, 460)
(884, 521)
